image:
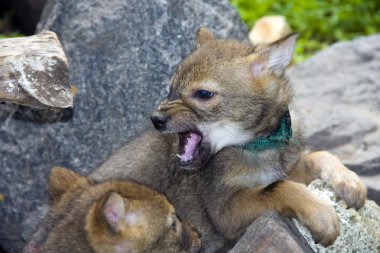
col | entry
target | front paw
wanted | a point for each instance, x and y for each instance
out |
(322, 222)
(348, 186)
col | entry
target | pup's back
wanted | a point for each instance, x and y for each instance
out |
(114, 216)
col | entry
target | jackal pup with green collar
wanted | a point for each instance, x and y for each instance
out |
(229, 147)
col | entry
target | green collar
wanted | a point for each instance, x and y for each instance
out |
(277, 139)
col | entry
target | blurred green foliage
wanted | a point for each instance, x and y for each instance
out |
(11, 35)
(319, 23)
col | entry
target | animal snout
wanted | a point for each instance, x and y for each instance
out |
(159, 120)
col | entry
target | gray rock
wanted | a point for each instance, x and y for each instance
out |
(359, 230)
(121, 54)
(338, 93)
(271, 233)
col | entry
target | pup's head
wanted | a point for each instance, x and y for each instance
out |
(225, 93)
(119, 224)
(123, 217)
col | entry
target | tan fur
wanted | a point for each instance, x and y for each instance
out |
(204, 35)
(114, 216)
(285, 198)
(62, 180)
(224, 187)
(269, 29)
(346, 184)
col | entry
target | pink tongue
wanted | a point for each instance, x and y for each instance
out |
(192, 142)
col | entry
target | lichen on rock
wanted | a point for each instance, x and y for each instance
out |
(359, 229)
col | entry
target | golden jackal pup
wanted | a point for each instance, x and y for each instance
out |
(111, 217)
(229, 145)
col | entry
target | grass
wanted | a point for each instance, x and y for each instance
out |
(319, 23)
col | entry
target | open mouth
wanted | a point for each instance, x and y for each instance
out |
(189, 143)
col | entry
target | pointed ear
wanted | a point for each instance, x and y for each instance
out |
(63, 180)
(114, 210)
(275, 56)
(203, 36)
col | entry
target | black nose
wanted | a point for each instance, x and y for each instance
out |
(159, 120)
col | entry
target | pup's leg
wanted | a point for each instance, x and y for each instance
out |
(346, 184)
(286, 197)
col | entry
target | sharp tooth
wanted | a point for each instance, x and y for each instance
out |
(178, 156)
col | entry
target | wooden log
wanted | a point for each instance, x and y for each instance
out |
(34, 72)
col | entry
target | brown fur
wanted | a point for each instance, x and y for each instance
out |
(269, 29)
(114, 216)
(330, 169)
(224, 187)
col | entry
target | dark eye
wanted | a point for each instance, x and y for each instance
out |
(204, 94)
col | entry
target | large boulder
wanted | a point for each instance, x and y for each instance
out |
(121, 54)
(338, 94)
(338, 91)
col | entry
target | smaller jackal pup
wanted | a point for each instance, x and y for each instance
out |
(111, 217)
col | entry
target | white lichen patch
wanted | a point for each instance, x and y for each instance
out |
(359, 230)
(39, 77)
(38, 69)
(12, 87)
(26, 80)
